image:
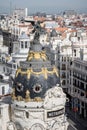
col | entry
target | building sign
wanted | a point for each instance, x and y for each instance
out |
(55, 113)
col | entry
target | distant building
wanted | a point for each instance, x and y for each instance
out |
(20, 13)
(69, 12)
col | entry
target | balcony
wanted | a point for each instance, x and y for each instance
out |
(81, 98)
(80, 78)
(81, 87)
(79, 70)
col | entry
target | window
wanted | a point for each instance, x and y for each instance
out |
(22, 44)
(26, 44)
(70, 72)
(82, 85)
(67, 58)
(37, 88)
(18, 126)
(0, 111)
(63, 75)
(77, 65)
(63, 67)
(4, 69)
(86, 87)
(3, 90)
(67, 81)
(70, 62)
(82, 104)
(19, 87)
(27, 114)
(14, 66)
(64, 58)
(74, 52)
(75, 90)
(86, 68)
(86, 78)
(70, 80)
(63, 82)
(1, 77)
(82, 94)
(7, 70)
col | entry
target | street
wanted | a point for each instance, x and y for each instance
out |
(71, 127)
(74, 123)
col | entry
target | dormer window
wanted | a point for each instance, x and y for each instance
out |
(19, 87)
(37, 88)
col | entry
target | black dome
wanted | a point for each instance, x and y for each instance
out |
(36, 75)
(37, 85)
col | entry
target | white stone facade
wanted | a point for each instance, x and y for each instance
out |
(48, 114)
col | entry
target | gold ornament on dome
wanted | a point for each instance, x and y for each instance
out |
(27, 96)
(13, 94)
(38, 99)
(19, 98)
(37, 55)
(43, 71)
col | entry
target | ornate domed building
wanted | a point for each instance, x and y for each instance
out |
(38, 103)
(36, 75)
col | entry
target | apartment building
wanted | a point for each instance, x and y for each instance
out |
(77, 89)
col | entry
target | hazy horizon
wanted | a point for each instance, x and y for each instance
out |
(47, 6)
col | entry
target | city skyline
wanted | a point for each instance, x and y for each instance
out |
(44, 6)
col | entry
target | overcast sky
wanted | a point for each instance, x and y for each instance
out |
(45, 5)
